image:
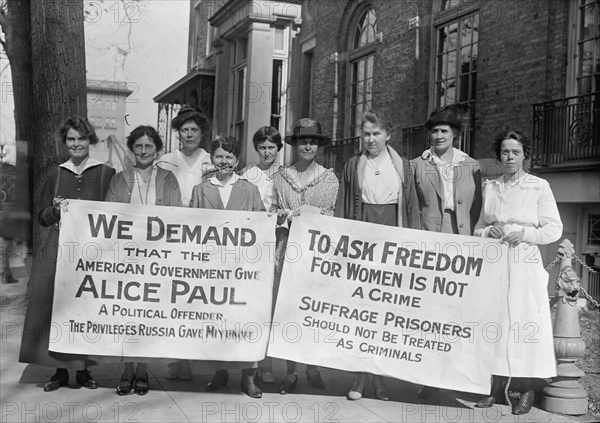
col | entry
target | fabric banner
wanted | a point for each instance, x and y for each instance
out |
(157, 281)
(415, 305)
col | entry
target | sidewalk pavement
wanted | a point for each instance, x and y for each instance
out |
(22, 398)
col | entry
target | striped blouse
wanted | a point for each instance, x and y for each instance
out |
(320, 191)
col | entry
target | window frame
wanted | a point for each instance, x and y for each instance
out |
(359, 56)
(443, 18)
(239, 73)
(573, 48)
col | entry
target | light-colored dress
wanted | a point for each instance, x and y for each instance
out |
(526, 348)
(187, 176)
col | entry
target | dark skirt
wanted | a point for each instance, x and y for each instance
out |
(382, 214)
(37, 328)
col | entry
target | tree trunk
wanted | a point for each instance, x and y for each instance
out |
(59, 86)
(17, 29)
(18, 50)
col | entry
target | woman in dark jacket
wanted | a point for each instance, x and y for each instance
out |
(377, 186)
(225, 190)
(83, 178)
(133, 185)
(356, 180)
(143, 184)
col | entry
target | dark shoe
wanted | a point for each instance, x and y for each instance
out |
(380, 391)
(314, 377)
(289, 383)
(248, 385)
(219, 380)
(141, 385)
(56, 381)
(125, 385)
(358, 387)
(496, 394)
(525, 403)
(84, 378)
(428, 391)
(486, 402)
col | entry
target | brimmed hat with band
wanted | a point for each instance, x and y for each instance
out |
(445, 116)
(190, 112)
(307, 128)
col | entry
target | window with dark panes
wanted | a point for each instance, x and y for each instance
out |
(457, 51)
(239, 54)
(276, 88)
(456, 65)
(362, 62)
(588, 46)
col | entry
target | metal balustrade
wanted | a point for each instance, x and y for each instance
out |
(338, 152)
(566, 131)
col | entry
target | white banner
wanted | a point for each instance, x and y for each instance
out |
(415, 305)
(152, 281)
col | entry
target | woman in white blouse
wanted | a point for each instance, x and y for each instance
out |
(191, 160)
(267, 143)
(519, 209)
(377, 186)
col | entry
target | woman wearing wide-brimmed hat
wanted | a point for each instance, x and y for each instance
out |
(304, 187)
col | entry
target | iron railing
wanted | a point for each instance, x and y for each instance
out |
(415, 140)
(338, 152)
(594, 283)
(166, 113)
(566, 131)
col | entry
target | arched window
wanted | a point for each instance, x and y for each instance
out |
(363, 38)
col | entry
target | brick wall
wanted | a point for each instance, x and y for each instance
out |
(522, 60)
(198, 31)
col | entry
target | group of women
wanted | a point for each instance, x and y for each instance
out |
(441, 191)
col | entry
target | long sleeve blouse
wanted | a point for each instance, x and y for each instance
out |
(526, 205)
(320, 191)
